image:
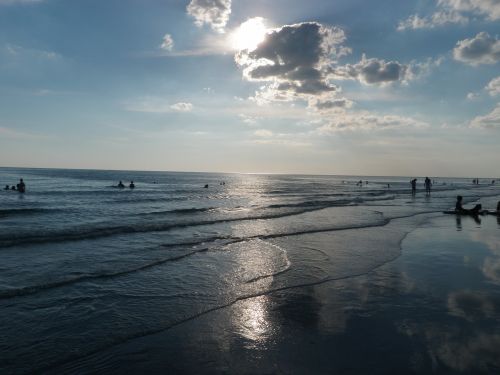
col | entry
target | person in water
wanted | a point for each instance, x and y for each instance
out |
(6, 187)
(13, 187)
(131, 185)
(428, 185)
(120, 184)
(21, 187)
(459, 208)
(413, 186)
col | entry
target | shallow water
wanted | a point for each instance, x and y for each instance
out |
(86, 267)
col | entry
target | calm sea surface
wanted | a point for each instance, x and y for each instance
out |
(86, 266)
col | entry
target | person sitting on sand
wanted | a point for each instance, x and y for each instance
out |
(460, 210)
(131, 185)
(21, 187)
(120, 184)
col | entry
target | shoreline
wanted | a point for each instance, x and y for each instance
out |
(266, 333)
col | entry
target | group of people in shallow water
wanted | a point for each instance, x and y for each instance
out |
(427, 184)
(20, 187)
(121, 185)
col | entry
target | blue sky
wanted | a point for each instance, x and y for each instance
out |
(324, 87)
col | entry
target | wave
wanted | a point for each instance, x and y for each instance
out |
(25, 211)
(211, 243)
(78, 234)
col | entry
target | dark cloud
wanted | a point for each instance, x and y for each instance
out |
(211, 12)
(482, 49)
(294, 60)
(373, 71)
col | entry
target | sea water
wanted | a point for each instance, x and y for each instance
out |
(86, 266)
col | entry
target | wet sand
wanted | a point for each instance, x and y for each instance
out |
(434, 309)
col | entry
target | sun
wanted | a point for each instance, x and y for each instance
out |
(249, 34)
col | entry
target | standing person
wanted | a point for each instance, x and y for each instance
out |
(428, 185)
(21, 187)
(413, 186)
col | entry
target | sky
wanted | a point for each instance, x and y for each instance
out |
(387, 87)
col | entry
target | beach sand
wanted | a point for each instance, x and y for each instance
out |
(433, 309)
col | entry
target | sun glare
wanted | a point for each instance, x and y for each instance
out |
(249, 34)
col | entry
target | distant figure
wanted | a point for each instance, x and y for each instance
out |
(359, 183)
(21, 187)
(493, 182)
(366, 182)
(413, 186)
(131, 185)
(388, 186)
(6, 187)
(13, 187)
(206, 186)
(459, 208)
(120, 184)
(428, 185)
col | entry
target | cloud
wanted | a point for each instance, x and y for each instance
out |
(453, 12)
(214, 13)
(368, 121)
(182, 107)
(167, 43)
(489, 121)
(487, 8)
(373, 71)
(263, 133)
(472, 96)
(333, 105)
(482, 49)
(493, 86)
(293, 61)
(439, 18)
(470, 305)
(13, 51)
(157, 105)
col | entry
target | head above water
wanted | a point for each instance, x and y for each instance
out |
(459, 198)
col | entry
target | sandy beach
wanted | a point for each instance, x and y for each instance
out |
(433, 309)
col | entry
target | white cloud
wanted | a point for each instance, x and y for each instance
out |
(214, 13)
(182, 107)
(167, 43)
(14, 51)
(157, 105)
(368, 121)
(489, 121)
(439, 18)
(472, 96)
(493, 86)
(453, 12)
(481, 49)
(487, 8)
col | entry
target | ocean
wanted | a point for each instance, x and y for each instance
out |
(86, 267)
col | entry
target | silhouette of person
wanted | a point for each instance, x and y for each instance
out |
(21, 186)
(6, 187)
(413, 186)
(120, 184)
(459, 208)
(131, 185)
(428, 185)
(13, 188)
